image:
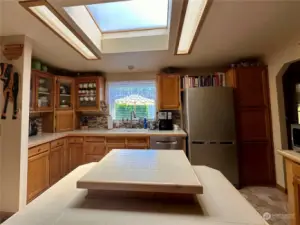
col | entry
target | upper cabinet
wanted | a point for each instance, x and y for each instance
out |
(32, 93)
(65, 93)
(89, 92)
(44, 91)
(168, 92)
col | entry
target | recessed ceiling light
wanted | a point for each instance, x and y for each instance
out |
(193, 15)
(46, 13)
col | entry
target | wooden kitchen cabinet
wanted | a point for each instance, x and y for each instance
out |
(293, 190)
(66, 161)
(44, 91)
(56, 164)
(89, 92)
(253, 125)
(76, 155)
(137, 142)
(32, 93)
(168, 92)
(65, 121)
(38, 174)
(65, 88)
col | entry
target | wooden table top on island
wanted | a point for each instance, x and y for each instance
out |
(167, 171)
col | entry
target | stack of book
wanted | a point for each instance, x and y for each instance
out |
(216, 80)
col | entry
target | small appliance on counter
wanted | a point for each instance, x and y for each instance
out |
(165, 121)
(32, 127)
(295, 133)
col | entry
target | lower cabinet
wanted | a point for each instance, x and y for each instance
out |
(293, 189)
(76, 155)
(66, 160)
(38, 175)
(56, 164)
(256, 153)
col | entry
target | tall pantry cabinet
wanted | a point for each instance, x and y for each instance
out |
(254, 133)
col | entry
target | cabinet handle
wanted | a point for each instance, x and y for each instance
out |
(39, 150)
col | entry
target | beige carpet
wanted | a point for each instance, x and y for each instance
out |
(271, 203)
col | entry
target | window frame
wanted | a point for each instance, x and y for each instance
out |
(107, 87)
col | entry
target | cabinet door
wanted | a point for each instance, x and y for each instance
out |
(254, 124)
(168, 92)
(297, 200)
(87, 92)
(44, 92)
(66, 161)
(64, 93)
(110, 147)
(252, 87)
(93, 158)
(38, 175)
(256, 165)
(64, 121)
(32, 93)
(76, 155)
(56, 164)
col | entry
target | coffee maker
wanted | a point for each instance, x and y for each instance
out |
(165, 120)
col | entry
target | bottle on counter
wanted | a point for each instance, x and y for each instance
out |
(145, 123)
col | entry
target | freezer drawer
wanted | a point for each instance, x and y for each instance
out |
(165, 142)
(222, 157)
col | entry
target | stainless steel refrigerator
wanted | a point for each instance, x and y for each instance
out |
(210, 123)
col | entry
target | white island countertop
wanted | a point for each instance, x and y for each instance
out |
(47, 137)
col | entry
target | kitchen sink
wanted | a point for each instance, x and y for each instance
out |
(130, 130)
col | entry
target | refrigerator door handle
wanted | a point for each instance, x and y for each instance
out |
(227, 142)
(200, 142)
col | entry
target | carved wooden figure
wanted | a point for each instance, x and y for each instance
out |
(10, 88)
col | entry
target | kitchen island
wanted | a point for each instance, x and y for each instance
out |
(64, 204)
(292, 170)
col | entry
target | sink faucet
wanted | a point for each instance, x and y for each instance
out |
(132, 117)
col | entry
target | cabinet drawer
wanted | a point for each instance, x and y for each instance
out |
(296, 169)
(75, 139)
(137, 140)
(115, 140)
(57, 143)
(93, 158)
(95, 139)
(39, 149)
(94, 148)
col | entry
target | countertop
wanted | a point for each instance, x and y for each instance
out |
(290, 154)
(64, 204)
(47, 137)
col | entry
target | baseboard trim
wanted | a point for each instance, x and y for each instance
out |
(279, 187)
(5, 215)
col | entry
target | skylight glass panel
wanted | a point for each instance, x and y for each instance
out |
(130, 15)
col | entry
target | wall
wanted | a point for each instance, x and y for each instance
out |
(130, 76)
(14, 150)
(278, 63)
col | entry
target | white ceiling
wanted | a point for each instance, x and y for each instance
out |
(233, 29)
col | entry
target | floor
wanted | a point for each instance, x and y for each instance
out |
(271, 203)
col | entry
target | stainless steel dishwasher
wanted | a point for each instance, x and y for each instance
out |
(165, 142)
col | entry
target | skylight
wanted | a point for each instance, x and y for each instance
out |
(130, 15)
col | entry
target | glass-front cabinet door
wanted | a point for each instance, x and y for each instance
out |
(65, 93)
(32, 93)
(44, 92)
(87, 94)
